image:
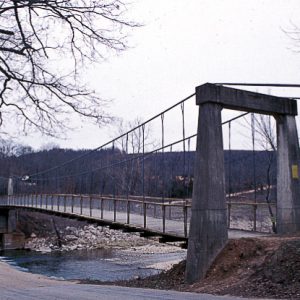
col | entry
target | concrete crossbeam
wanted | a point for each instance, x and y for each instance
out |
(244, 100)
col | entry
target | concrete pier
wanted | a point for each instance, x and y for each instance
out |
(288, 187)
(10, 238)
(208, 230)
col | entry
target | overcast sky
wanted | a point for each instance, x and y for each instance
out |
(187, 43)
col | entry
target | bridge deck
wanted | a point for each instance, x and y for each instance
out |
(134, 221)
(168, 221)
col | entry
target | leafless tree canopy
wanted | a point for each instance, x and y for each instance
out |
(44, 45)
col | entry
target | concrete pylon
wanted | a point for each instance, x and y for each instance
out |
(208, 230)
(10, 187)
(208, 226)
(288, 184)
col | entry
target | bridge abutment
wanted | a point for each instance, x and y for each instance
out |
(10, 238)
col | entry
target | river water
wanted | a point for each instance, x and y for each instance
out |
(98, 264)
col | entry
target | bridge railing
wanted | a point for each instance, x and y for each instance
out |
(171, 216)
(251, 216)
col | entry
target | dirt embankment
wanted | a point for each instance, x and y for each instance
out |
(248, 267)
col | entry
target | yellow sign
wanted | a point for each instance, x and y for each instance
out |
(295, 173)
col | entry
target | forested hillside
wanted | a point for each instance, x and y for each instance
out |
(112, 171)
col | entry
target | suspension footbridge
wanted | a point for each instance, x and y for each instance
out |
(176, 183)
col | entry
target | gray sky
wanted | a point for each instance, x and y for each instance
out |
(187, 43)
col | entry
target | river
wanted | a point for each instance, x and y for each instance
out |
(98, 264)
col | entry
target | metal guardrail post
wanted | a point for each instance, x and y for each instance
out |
(81, 200)
(52, 204)
(58, 198)
(115, 210)
(185, 220)
(65, 203)
(254, 216)
(145, 214)
(228, 214)
(46, 201)
(164, 217)
(91, 198)
(41, 200)
(128, 211)
(72, 204)
(101, 207)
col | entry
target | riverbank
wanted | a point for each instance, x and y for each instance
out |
(247, 267)
(265, 267)
(11, 278)
(15, 284)
(48, 234)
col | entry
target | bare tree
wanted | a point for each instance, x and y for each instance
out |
(36, 36)
(136, 139)
(266, 132)
(266, 137)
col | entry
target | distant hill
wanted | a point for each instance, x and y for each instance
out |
(112, 171)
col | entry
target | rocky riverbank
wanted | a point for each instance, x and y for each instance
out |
(94, 237)
(50, 233)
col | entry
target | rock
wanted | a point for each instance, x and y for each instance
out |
(81, 234)
(71, 229)
(71, 237)
(44, 249)
(93, 230)
(33, 235)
